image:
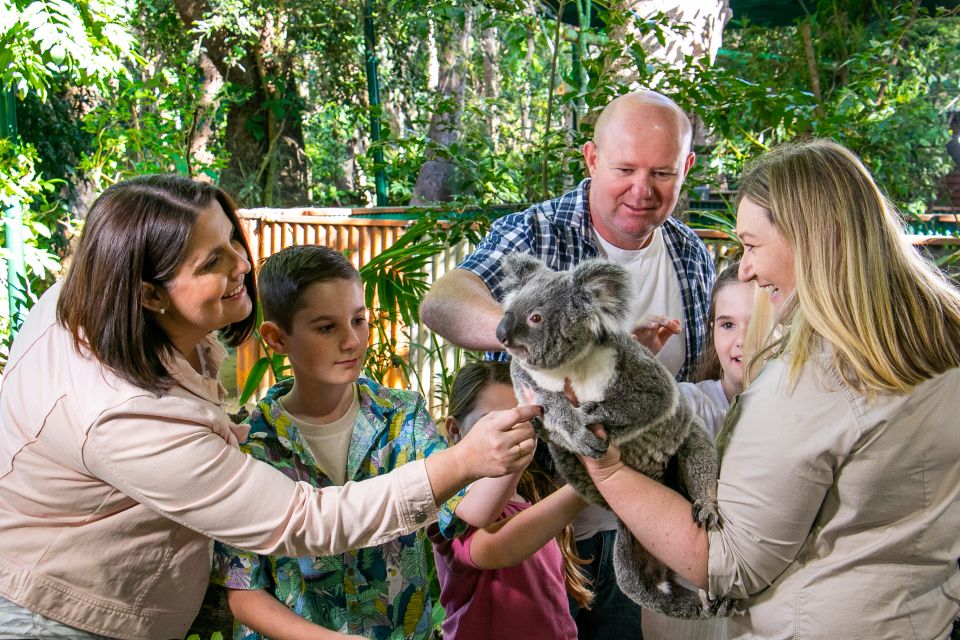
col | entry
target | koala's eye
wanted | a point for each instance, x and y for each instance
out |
(534, 318)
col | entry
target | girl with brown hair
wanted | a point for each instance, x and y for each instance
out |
(512, 578)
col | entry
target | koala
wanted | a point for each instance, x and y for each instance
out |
(567, 328)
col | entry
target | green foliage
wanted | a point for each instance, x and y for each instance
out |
(885, 86)
(42, 42)
(108, 100)
(146, 127)
(55, 128)
(42, 39)
(19, 183)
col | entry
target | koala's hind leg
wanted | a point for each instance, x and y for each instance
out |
(649, 582)
(576, 476)
(699, 467)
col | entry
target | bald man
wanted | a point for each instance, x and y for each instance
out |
(637, 160)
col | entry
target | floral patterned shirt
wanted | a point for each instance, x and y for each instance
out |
(380, 592)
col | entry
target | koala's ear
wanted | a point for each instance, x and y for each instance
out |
(518, 269)
(608, 285)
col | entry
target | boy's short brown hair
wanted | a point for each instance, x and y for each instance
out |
(285, 276)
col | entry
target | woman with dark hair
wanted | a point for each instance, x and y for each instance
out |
(118, 463)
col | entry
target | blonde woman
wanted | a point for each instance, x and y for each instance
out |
(840, 471)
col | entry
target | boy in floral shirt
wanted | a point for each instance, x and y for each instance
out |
(328, 426)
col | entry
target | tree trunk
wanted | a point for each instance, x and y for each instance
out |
(267, 164)
(435, 178)
(705, 20)
(433, 59)
(201, 129)
(811, 57)
(490, 48)
(526, 125)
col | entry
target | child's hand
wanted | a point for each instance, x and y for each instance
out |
(602, 468)
(500, 443)
(653, 331)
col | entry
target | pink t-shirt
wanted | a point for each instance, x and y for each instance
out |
(526, 601)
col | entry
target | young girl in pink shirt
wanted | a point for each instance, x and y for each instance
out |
(511, 579)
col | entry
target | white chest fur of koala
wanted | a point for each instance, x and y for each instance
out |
(589, 376)
(567, 328)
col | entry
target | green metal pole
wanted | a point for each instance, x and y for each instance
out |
(13, 228)
(373, 91)
(584, 11)
(575, 72)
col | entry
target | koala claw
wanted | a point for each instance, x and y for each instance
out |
(705, 513)
(719, 607)
(595, 447)
(588, 408)
(539, 427)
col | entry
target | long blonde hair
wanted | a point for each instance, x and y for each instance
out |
(892, 319)
(762, 331)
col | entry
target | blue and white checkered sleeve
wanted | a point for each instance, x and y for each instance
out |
(510, 234)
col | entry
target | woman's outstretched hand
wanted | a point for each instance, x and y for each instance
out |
(500, 442)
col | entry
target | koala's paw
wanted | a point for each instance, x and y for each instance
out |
(594, 447)
(537, 423)
(705, 513)
(589, 408)
(716, 607)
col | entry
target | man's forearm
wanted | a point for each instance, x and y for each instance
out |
(460, 309)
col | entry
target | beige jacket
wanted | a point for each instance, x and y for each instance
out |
(840, 515)
(110, 495)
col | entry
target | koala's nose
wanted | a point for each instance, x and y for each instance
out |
(505, 328)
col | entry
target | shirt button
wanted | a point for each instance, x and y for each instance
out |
(420, 518)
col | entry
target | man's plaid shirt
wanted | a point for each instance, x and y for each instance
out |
(559, 232)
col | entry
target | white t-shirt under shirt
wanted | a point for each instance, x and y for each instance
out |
(330, 443)
(655, 290)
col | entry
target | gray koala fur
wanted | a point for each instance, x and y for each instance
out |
(569, 326)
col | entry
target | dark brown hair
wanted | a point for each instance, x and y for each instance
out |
(138, 231)
(710, 368)
(537, 481)
(285, 276)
